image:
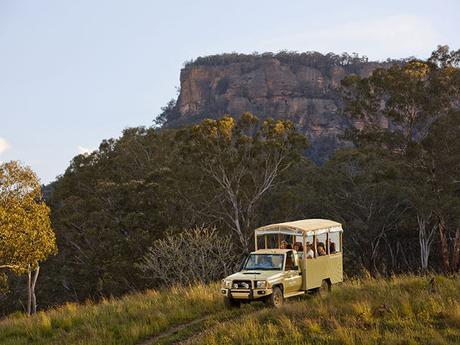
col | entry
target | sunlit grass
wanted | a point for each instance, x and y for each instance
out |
(400, 310)
(113, 321)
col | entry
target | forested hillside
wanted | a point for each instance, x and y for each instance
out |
(396, 190)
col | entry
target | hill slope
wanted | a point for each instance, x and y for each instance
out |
(402, 310)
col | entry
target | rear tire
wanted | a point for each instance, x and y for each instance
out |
(325, 287)
(276, 299)
(230, 303)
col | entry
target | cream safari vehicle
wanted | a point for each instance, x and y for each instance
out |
(295, 257)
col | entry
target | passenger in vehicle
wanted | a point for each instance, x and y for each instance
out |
(321, 250)
(283, 245)
(298, 247)
(332, 249)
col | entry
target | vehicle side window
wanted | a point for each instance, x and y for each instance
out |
(289, 261)
(321, 241)
(334, 243)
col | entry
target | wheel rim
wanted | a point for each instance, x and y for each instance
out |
(277, 299)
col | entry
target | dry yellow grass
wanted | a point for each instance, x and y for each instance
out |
(114, 321)
(401, 310)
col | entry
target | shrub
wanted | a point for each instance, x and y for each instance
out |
(198, 255)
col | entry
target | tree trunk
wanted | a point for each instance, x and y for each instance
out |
(425, 240)
(444, 245)
(31, 283)
(456, 253)
(29, 290)
(34, 283)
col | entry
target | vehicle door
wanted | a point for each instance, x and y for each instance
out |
(293, 278)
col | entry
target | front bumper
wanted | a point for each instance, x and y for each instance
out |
(245, 294)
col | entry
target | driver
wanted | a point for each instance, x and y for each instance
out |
(265, 261)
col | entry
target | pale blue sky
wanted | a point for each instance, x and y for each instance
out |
(75, 72)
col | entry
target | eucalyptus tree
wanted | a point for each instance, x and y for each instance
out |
(240, 162)
(401, 108)
(26, 236)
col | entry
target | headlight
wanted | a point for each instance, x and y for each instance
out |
(261, 284)
(226, 284)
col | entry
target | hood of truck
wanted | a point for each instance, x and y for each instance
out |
(256, 275)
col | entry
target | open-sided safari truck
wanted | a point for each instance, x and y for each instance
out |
(296, 257)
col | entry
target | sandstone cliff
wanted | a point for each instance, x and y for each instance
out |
(300, 87)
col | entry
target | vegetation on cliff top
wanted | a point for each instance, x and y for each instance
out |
(310, 58)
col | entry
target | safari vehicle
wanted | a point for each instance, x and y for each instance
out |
(277, 271)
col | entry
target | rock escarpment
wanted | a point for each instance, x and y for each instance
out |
(303, 88)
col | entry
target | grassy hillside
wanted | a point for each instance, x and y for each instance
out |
(123, 321)
(402, 310)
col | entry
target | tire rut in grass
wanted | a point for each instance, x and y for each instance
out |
(187, 333)
(173, 330)
(217, 322)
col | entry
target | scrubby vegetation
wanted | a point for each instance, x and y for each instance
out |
(398, 310)
(311, 59)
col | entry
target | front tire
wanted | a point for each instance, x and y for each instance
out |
(230, 303)
(276, 299)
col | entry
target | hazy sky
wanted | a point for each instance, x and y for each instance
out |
(75, 72)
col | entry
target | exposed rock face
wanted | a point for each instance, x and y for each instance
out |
(303, 90)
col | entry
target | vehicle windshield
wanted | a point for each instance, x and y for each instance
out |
(264, 262)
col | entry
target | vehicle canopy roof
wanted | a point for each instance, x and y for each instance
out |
(300, 227)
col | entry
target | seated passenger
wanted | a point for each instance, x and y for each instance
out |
(332, 249)
(298, 247)
(310, 253)
(321, 250)
(283, 245)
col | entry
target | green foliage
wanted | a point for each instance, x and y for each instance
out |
(419, 100)
(310, 59)
(239, 162)
(112, 204)
(396, 191)
(168, 113)
(107, 208)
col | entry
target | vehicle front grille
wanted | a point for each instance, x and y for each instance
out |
(241, 284)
